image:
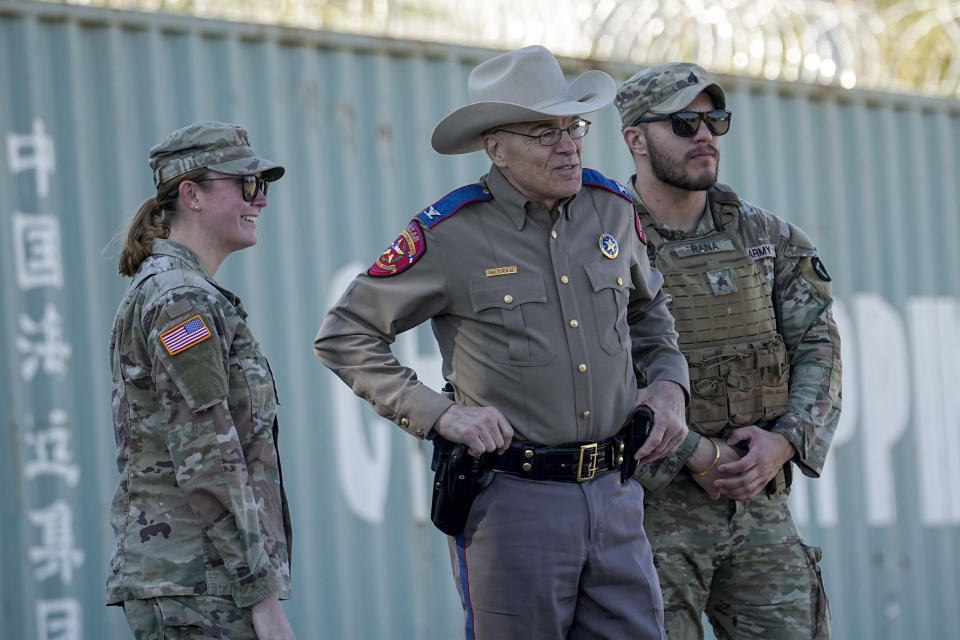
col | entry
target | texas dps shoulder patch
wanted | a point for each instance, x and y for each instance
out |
(400, 256)
(640, 232)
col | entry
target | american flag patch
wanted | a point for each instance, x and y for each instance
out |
(185, 335)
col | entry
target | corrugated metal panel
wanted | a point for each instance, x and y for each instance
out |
(871, 177)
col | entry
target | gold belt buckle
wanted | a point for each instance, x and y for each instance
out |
(588, 453)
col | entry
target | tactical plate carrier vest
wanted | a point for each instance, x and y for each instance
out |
(724, 311)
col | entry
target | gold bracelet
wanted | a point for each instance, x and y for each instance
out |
(716, 459)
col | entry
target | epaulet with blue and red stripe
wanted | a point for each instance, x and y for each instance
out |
(411, 244)
(453, 202)
(594, 178)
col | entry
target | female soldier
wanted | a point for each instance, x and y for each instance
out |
(202, 531)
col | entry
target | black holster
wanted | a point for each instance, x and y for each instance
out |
(457, 480)
(635, 432)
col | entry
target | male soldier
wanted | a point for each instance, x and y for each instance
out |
(546, 312)
(752, 301)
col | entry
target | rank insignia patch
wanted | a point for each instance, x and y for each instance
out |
(608, 246)
(722, 281)
(399, 256)
(185, 335)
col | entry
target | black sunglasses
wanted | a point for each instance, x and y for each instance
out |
(250, 186)
(686, 123)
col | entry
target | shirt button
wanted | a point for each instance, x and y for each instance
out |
(620, 281)
(586, 414)
(404, 422)
(574, 324)
(553, 234)
(582, 368)
(564, 279)
(508, 298)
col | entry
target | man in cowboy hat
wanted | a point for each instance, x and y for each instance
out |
(752, 302)
(552, 328)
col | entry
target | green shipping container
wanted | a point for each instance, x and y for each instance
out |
(872, 177)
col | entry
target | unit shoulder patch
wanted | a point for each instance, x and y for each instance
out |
(594, 178)
(401, 254)
(819, 269)
(453, 202)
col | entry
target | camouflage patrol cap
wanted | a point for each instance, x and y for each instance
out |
(666, 88)
(218, 146)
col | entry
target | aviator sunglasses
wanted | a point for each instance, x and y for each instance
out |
(250, 186)
(686, 123)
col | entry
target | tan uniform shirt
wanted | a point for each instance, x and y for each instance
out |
(530, 315)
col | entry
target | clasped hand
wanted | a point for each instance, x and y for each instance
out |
(742, 476)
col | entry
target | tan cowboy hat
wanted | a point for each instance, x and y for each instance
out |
(519, 86)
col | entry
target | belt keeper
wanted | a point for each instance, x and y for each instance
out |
(716, 459)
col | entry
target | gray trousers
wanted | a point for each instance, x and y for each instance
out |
(558, 561)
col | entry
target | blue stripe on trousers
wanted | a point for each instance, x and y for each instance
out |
(465, 587)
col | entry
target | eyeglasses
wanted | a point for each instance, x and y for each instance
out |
(551, 137)
(250, 186)
(687, 123)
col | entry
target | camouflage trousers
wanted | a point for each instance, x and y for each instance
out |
(188, 618)
(742, 563)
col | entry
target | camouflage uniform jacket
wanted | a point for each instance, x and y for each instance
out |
(200, 508)
(785, 256)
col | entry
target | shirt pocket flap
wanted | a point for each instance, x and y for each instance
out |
(607, 275)
(507, 292)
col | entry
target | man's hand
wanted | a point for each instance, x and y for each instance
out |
(703, 460)
(270, 622)
(482, 429)
(668, 403)
(766, 453)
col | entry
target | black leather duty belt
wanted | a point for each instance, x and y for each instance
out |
(574, 462)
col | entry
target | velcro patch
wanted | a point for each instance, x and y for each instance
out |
(185, 335)
(400, 256)
(762, 251)
(722, 281)
(706, 246)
